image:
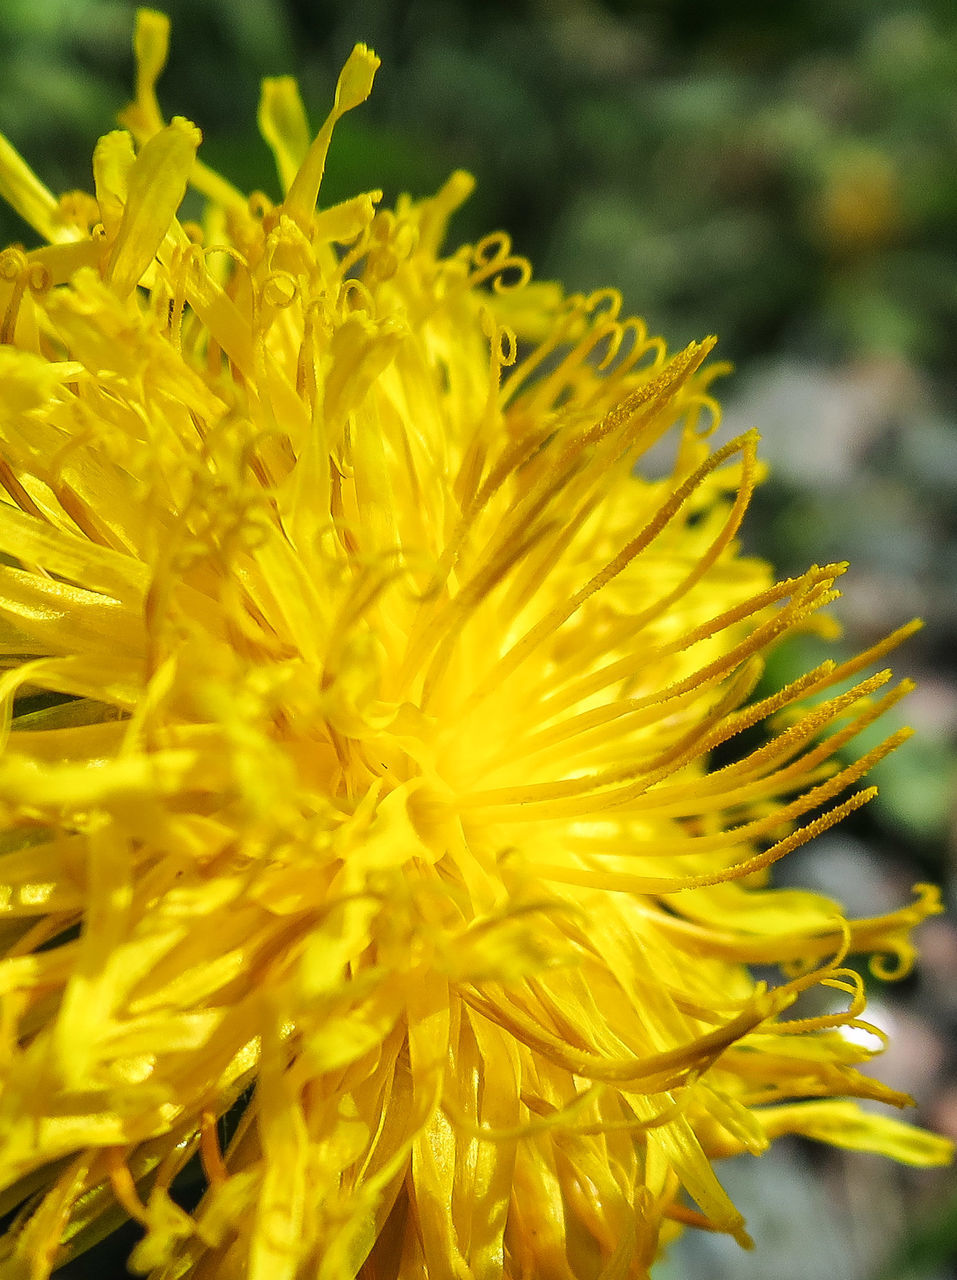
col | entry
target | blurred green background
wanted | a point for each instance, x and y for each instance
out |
(782, 175)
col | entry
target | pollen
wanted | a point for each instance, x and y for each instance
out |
(390, 788)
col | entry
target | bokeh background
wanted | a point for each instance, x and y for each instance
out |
(784, 175)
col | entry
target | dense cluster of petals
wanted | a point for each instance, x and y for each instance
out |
(389, 788)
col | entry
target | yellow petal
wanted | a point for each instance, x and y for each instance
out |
(845, 1125)
(151, 48)
(24, 191)
(113, 160)
(156, 184)
(353, 87)
(283, 124)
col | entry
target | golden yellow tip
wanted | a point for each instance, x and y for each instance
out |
(355, 79)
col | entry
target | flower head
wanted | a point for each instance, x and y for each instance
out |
(362, 685)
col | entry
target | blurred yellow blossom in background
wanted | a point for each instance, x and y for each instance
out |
(371, 764)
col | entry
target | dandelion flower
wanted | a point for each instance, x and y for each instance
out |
(362, 688)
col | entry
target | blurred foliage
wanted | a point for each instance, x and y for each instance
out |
(783, 175)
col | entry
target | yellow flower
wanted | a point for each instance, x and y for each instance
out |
(360, 685)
